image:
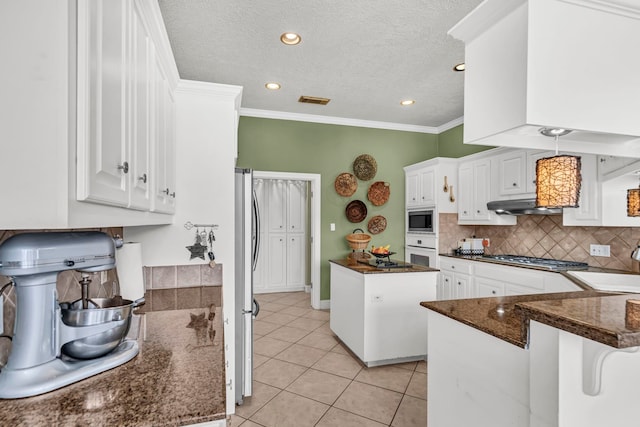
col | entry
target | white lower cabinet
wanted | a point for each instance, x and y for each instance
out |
(378, 315)
(455, 280)
(460, 278)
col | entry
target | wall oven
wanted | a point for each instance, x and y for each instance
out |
(421, 250)
(421, 221)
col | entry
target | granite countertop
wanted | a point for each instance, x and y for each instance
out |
(599, 318)
(176, 379)
(363, 266)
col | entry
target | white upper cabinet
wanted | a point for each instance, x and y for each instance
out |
(425, 184)
(475, 191)
(512, 173)
(553, 63)
(126, 110)
(78, 92)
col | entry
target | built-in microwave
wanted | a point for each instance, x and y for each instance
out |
(420, 221)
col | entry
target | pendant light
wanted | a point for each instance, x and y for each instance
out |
(633, 201)
(558, 178)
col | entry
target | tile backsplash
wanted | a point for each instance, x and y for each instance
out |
(167, 288)
(544, 236)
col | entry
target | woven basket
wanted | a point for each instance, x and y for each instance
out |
(358, 240)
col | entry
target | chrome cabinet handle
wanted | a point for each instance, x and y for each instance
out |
(124, 167)
(143, 178)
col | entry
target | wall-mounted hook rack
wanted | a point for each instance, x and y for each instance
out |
(189, 225)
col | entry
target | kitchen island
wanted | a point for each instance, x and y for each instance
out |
(561, 359)
(176, 379)
(376, 311)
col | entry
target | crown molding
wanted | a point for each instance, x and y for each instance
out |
(341, 121)
(450, 125)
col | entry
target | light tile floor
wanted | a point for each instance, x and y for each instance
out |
(303, 375)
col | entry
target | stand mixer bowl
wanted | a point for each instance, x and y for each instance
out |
(107, 310)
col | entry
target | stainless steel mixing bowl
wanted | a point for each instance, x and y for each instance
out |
(107, 310)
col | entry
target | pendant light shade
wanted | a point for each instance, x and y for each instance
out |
(558, 181)
(633, 201)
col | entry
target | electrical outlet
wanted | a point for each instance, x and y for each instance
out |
(332, 226)
(600, 250)
(376, 298)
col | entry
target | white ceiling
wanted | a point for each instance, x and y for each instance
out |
(366, 56)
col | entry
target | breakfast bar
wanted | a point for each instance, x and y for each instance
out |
(375, 310)
(558, 359)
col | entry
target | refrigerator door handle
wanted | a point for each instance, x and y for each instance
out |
(256, 309)
(256, 237)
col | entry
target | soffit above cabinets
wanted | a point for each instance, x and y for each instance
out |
(553, 63)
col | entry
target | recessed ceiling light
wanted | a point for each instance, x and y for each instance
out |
(272, 86)
(459, 67)
(290, 38)
(407, 102)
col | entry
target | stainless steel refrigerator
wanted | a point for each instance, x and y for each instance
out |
(247, 234)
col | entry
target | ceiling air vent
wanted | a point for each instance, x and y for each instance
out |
(313, 100)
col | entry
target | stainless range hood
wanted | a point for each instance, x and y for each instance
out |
(521, 207)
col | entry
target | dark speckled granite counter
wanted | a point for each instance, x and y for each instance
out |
(362, 266)
(176, 379)
(596, 315)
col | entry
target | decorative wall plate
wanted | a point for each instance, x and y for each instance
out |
(377, 224)
(365, 167)
(379, 192)
(346, 184)
(356, 211)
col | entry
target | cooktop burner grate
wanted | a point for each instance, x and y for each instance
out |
(548, 263)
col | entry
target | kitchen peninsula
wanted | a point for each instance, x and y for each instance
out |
(561, 359)
(176, 379)
(376, 311)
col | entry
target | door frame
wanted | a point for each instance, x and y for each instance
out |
(314, 226)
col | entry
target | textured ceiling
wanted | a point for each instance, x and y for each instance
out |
(365, 55)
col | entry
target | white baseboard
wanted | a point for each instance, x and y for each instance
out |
(216, 423)
(278, 290)
(325, 304)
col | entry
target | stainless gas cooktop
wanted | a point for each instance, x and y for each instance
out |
(548, 263)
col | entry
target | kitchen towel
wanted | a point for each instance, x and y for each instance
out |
(129, 268)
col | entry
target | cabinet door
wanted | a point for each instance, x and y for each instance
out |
(277, 199)
(277, 274)
(103, 159)
(139, 116)
(462, 285)
(412, 183)
(296, 206)
(589, 210)
(163, 142)
(481, 189)
(427, 187)
(465, 192)
(296, 260)
(532, 158)
(512, 173)
(445, 290)
(488, 288)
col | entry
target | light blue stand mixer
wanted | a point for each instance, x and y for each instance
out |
(55, 344)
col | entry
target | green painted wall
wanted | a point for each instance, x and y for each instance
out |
(450, 144)
(329, 150)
